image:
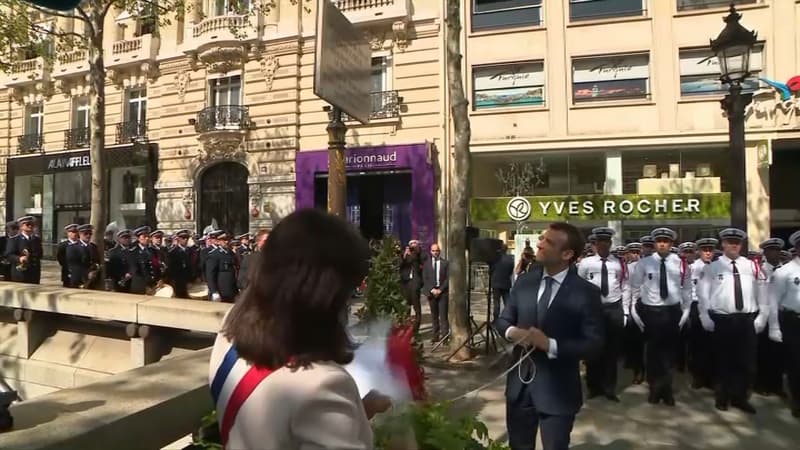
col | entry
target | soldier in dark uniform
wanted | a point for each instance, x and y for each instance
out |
(12, 229)
(160, 251)
(244, 245)
(179, 264)
(83, 260)
(194, 256)
(61, 251)
(118, 262)
(221, 271)
(210, 245)
(24, 253)
(144, 268)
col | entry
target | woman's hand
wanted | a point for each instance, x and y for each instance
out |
(375, 403)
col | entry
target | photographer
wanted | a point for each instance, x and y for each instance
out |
(526, 260)
(411, 278)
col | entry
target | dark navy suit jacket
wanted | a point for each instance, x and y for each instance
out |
(575, 320)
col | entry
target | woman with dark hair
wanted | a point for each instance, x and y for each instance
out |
(276, 368)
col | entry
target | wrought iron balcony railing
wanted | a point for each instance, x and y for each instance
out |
(29, 143)
(385, 105)
(356, 5)
(76, 138)
(132, 131)
(227, 117)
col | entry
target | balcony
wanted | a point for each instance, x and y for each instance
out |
(72, 63)
(222, 130)
(374, 11)
(136, 51)
(133, 131)
(26, 72)
(385, 105)
(30, 143)
(219, 42)
(76, 138)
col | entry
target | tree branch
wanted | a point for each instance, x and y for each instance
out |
(51, 12)
(86, 19)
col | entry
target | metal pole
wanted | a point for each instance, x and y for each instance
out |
(337, 176)
(734, 105)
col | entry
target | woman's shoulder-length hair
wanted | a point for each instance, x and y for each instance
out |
(290, 313)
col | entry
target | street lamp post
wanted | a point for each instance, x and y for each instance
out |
(732, 48)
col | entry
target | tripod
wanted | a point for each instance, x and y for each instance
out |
(490, 336)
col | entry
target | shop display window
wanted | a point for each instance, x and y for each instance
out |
(692, 171)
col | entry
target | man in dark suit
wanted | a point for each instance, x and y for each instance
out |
(144, 268)
(61, 251)
(501, 272)
(558, 315)
(243, 279)
(179, 264)
(117, 265)
(83, 260)
(411, 278)
(24, 253)
(435, 286)
(221, 270)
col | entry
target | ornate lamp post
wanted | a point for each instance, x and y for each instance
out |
(732, 47)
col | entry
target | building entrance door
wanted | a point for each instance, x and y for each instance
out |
(224, 198)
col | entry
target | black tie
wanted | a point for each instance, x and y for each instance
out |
(737, 288)
(662, 280)
(604, 279)
(544, 301)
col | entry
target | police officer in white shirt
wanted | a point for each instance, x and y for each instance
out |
(648, 245)
(687, 251)
(784, 292)
(769, 366)
(666, 293)
(733, 305)
(700, 361)
(610, 274)
(634, 339)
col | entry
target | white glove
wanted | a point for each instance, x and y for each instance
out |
(637, 319)
(760, 323)
(775, 335)
(684, 318)
(707, 323)
(625, 321)
(215, 297)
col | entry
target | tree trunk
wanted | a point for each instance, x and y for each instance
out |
(459, 185)
(97, 127)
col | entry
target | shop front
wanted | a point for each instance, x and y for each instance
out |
(631, 190)
(56, 189)
(390, 189)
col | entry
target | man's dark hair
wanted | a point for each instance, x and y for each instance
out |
(301, 283)
(575, 241)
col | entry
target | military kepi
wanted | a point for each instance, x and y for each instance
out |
(142, 230)
(71, 227)
(772, 243)
(732, 234)
(603, 233)
(707, 242)
(85, 228)
(664, 233)
(26, 219)
(794, 239)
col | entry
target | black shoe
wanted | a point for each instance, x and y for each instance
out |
(669, 400)
(721, 405)
(612, 397)
(744, 406)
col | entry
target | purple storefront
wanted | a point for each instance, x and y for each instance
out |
(390, 189)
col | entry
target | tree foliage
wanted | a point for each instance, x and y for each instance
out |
(383, 297)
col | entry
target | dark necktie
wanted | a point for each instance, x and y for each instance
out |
(737, 288)
(662, 280)
(544, 301)
(604, 279)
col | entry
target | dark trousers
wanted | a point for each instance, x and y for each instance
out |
(700, 359)
(181, 289)
(410, 290)
(523, 422)
(661, 334)
(769, 365)
(734, 342)
(601, 373)
(499, 295)
(439, 314)
(790, 327)
(634, 348)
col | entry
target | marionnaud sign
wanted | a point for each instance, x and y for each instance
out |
(342, 66)
(605, 207)
(371, 160)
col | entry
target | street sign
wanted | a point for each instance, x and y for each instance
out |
(342, 63)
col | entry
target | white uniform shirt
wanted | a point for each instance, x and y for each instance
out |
(646, 278)
(769, 269)
(635, 292)
(697, 268)
(716, 292)
(784, 287)
(591, 269)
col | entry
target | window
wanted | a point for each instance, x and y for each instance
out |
(381, 74)
(34, 120)
(600, 9)
(502, 85)
(137, 106)
(505, 13)
(226, 91)
(689, 5)
(80, 115)
(616, 77)
(226, 7)
(700, 72)
(675, 171)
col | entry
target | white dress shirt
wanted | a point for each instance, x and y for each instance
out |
(635, 292)
(784, 287)
(697, 268)
(646, 278)
(591, 269)
(716, 292)
(769, 269)
(558, 280)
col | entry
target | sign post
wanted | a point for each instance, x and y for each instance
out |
(342, 78)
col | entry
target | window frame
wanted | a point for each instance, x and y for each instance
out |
(215, 86)
(751, 84)
(141, 102)
(81, 104)
(642, 11)
(473, 13)
(647, 86)
(715, 4)
(539, 63)
(30, 116)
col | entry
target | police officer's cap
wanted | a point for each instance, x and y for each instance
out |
(732, 234)
(674, 250)
(633, 247)
(603, 232)
(591, 238)
(786, 254)
(619, 249)
(87, 228)
(772, 243)
(220, 234)
(142, 230)
(242, 236)
(157, 233)
(687, 247)
(647, 240)
(794, 239)
(123, 233)
(664, 233)
(71, 227)
(183, 234)
(26, 219)
(707, 242)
